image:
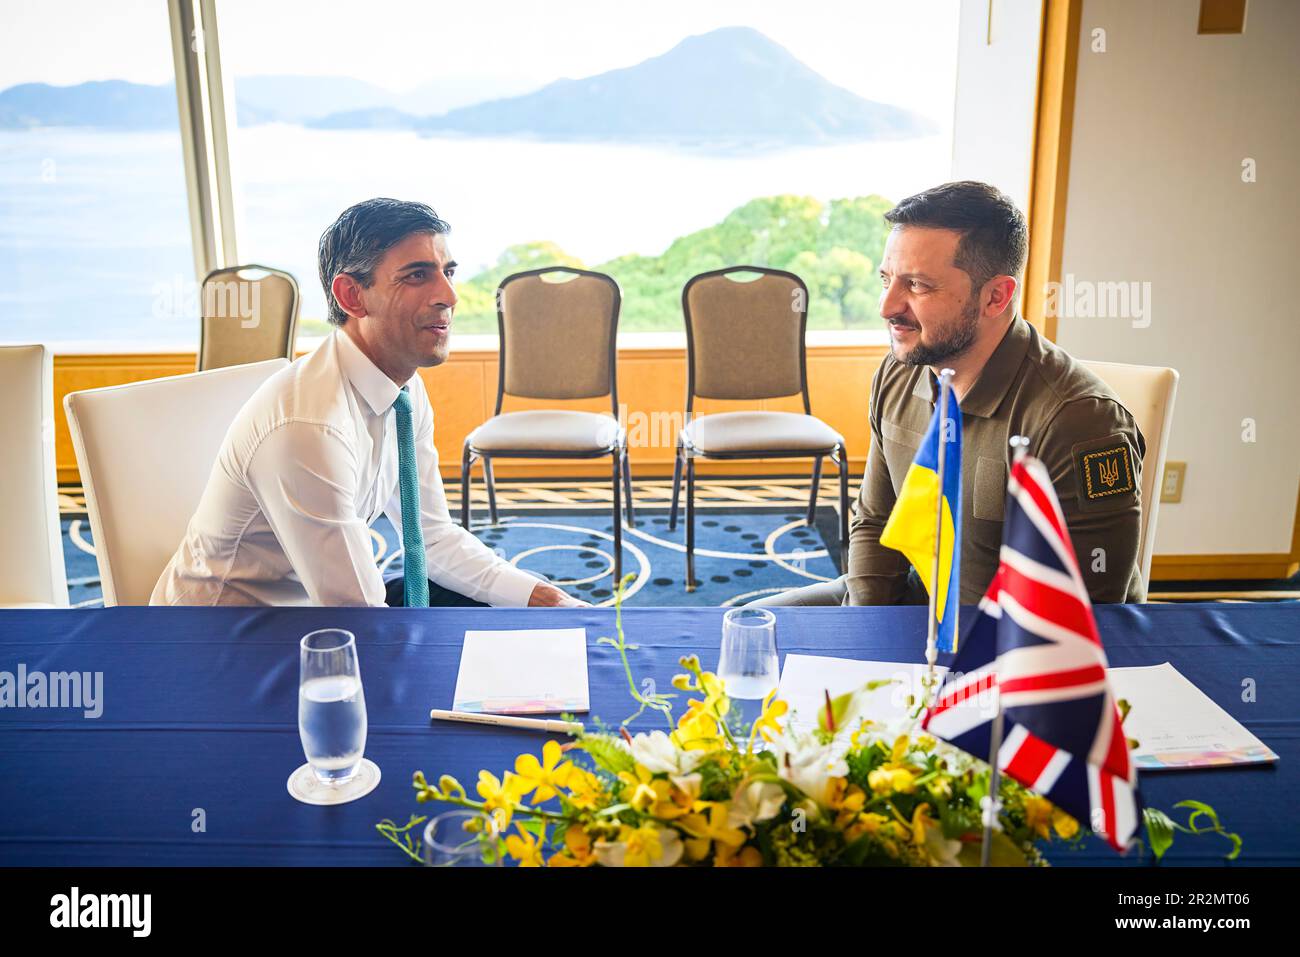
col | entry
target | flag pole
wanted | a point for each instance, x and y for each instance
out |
(932, 633)
(1019, 443)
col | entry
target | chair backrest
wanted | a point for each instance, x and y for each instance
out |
(558, 339)
(745, 340)
(31, 542)
(249, 314)
(145, 451)
(1148, 393)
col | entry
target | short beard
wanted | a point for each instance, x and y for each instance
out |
(957, 342)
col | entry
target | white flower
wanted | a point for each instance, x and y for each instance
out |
(754, 801)
(809, 766)
(942, 851)
(657, 754)
(613, 853)
(688, 784)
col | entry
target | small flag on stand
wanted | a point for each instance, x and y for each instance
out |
(1032, 666)
(925, 524)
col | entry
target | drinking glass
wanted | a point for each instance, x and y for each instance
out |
(748, 663)
(331, 705)
(448, 844)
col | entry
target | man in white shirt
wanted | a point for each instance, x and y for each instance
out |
(314, 456)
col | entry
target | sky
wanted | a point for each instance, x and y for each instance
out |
(884, 50)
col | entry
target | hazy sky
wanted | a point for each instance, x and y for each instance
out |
(885, 50)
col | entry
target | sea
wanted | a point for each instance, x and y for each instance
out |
(94, 224)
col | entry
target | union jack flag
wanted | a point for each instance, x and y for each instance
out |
(1033, 650)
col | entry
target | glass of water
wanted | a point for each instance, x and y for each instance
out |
(748, 664)
(462, 838)
(331, 705)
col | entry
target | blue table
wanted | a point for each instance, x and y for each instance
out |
(200, 711)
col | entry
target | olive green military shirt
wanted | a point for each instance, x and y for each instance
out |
(1090, 444)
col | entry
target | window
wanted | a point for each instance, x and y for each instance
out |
(94, 219)
(649, 144)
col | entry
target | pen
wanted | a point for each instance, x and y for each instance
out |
(508, 721)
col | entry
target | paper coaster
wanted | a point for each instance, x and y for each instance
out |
(304, 786)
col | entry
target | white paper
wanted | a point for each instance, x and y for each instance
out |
(806, 680)
(1177, 725)
(523, 672)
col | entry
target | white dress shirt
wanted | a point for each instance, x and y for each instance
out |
(306, 467)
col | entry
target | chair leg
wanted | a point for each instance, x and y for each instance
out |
(690, 524)
(627, 487)
(812, 496)
(843, 463)
(466, 460)
(491, 488)
(618, 520)
(677, 486)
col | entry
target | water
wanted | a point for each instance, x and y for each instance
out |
(94, 228)
(756, 682)
(332, 723)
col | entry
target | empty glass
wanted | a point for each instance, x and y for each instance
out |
(331, 705)
(748, 662)
(447, 842)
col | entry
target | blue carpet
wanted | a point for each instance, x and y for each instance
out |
(740, 555)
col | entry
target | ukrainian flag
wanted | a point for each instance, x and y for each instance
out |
(911, 524)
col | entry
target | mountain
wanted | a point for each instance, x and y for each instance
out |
(730, 85)
(298, 98)
(113, 104)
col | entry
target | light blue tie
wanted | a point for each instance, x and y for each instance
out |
(408, 482)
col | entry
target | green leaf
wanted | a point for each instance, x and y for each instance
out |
(1004, 853)
(1160, 830)
(607, 753)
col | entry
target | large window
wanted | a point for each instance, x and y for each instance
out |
(648, 142)
(94, 221)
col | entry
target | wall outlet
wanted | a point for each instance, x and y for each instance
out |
(1171, 483)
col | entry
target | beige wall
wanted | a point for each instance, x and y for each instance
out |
(1163, 121)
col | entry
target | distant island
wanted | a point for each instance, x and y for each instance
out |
(731, 86)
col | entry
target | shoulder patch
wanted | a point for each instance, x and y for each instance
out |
(1106, 472)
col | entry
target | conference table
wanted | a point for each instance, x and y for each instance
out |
(199, 720)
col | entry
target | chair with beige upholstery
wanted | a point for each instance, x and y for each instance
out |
(557, 342)
(250, 314)
(145, 451)
(1148, 393)
(745, 340)
(31, 542)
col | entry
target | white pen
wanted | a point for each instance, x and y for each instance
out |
(508, 721)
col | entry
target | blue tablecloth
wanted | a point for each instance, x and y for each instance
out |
(200, 711)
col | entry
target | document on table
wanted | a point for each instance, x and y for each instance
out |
(1177, 725)
(523, 672)
(806, 680)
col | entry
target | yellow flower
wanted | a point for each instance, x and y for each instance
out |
(901, 744)
(696, 731)
(767, 724)
(704, 829)
(920, 821)
(585, 791)
(525, 848)
(748, 856)
(577, 849)
(1038, 814)
(1065, 825)
(889, 778)
(499, 798)
(546, 776)
(644, 845)
(654, 796)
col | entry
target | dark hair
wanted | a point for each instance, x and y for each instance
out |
(994, 237)
(355, 242)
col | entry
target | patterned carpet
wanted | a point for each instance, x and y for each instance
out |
(751, 540)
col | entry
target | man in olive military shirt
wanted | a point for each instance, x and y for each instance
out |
(950, 282)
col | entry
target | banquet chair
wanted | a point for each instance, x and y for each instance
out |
(249, 314)
(145, 451)
(558, 341)
(1148, 393)
(745, 340)
(31, 542)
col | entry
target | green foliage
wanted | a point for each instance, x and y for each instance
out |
(834, 247)
(607, 753)
(1161, 828)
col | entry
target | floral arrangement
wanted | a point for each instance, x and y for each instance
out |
(711, 791)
